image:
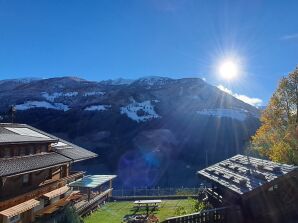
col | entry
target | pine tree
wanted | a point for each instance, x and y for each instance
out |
(277, 138)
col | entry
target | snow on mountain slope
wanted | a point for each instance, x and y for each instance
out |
(119, 121)
(21, 80)
(92, 93)
(98, 108)
(140, 112)
(53, 96)
(118, 81)
(238, 114)
(152, 81)
(42, 104)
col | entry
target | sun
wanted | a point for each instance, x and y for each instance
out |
(228, 69)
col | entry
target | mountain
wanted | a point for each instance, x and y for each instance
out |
(153, 131)
(119, 81)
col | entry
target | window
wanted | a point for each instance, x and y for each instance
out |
(1, 152)
(44, 149)
(15, 152)
(26, 179)
(6, 153)
(31, 151)
(47, 202)
(22, 152)
(273, 188)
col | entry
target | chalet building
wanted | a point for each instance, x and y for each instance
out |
(35, 172)
(255, 190)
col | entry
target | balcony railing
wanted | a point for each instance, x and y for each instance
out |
(217, 215)
(39, 191)
(85, 207)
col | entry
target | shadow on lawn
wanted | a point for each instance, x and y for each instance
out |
(139, 213)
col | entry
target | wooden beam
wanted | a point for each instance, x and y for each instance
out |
(111, 185)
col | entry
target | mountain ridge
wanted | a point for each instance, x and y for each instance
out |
(154, 125)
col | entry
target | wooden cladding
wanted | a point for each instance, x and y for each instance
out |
(8, 151)
(13, 186)
(36, 193)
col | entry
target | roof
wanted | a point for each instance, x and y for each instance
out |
(17, 165)
(56, 192)
(11, 133)
(76, 154)
(243, 174)
(16, 139)
(20, 208)
(92, 181)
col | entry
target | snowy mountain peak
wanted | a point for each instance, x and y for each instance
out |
(118, 81)
(152, 80)
(21, 80)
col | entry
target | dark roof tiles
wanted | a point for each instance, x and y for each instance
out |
(76, 153)
(243, 174)
(17, 165)
(11, 133)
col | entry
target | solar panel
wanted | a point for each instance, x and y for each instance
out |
(243, 176)
(27, 132)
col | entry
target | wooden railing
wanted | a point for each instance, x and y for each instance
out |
(37, 192)
(94, 202)
(217, 215)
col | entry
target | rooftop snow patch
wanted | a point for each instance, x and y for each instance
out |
(140, 112)
(97, 108)
(238, 114)
(42, 104)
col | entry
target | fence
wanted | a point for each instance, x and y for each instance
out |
(156, 192)
(93, 203)
(217, 215)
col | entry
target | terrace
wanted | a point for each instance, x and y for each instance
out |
(242, 189)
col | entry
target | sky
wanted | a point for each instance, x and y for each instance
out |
(108, 39)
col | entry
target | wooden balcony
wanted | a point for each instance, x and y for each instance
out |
(58, 205)
(85, 206)
(35, 193)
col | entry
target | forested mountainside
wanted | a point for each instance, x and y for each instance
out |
(153, 131)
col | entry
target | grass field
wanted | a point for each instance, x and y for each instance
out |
(114, 212)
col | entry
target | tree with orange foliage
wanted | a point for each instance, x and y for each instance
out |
(277, 138)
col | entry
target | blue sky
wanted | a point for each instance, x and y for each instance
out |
(107, 39)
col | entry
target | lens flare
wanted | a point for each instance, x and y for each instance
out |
(228, 70)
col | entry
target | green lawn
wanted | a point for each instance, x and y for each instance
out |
(114, 212)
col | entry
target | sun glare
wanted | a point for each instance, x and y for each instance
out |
(228, 70)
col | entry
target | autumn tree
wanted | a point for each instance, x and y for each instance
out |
(277, 138)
